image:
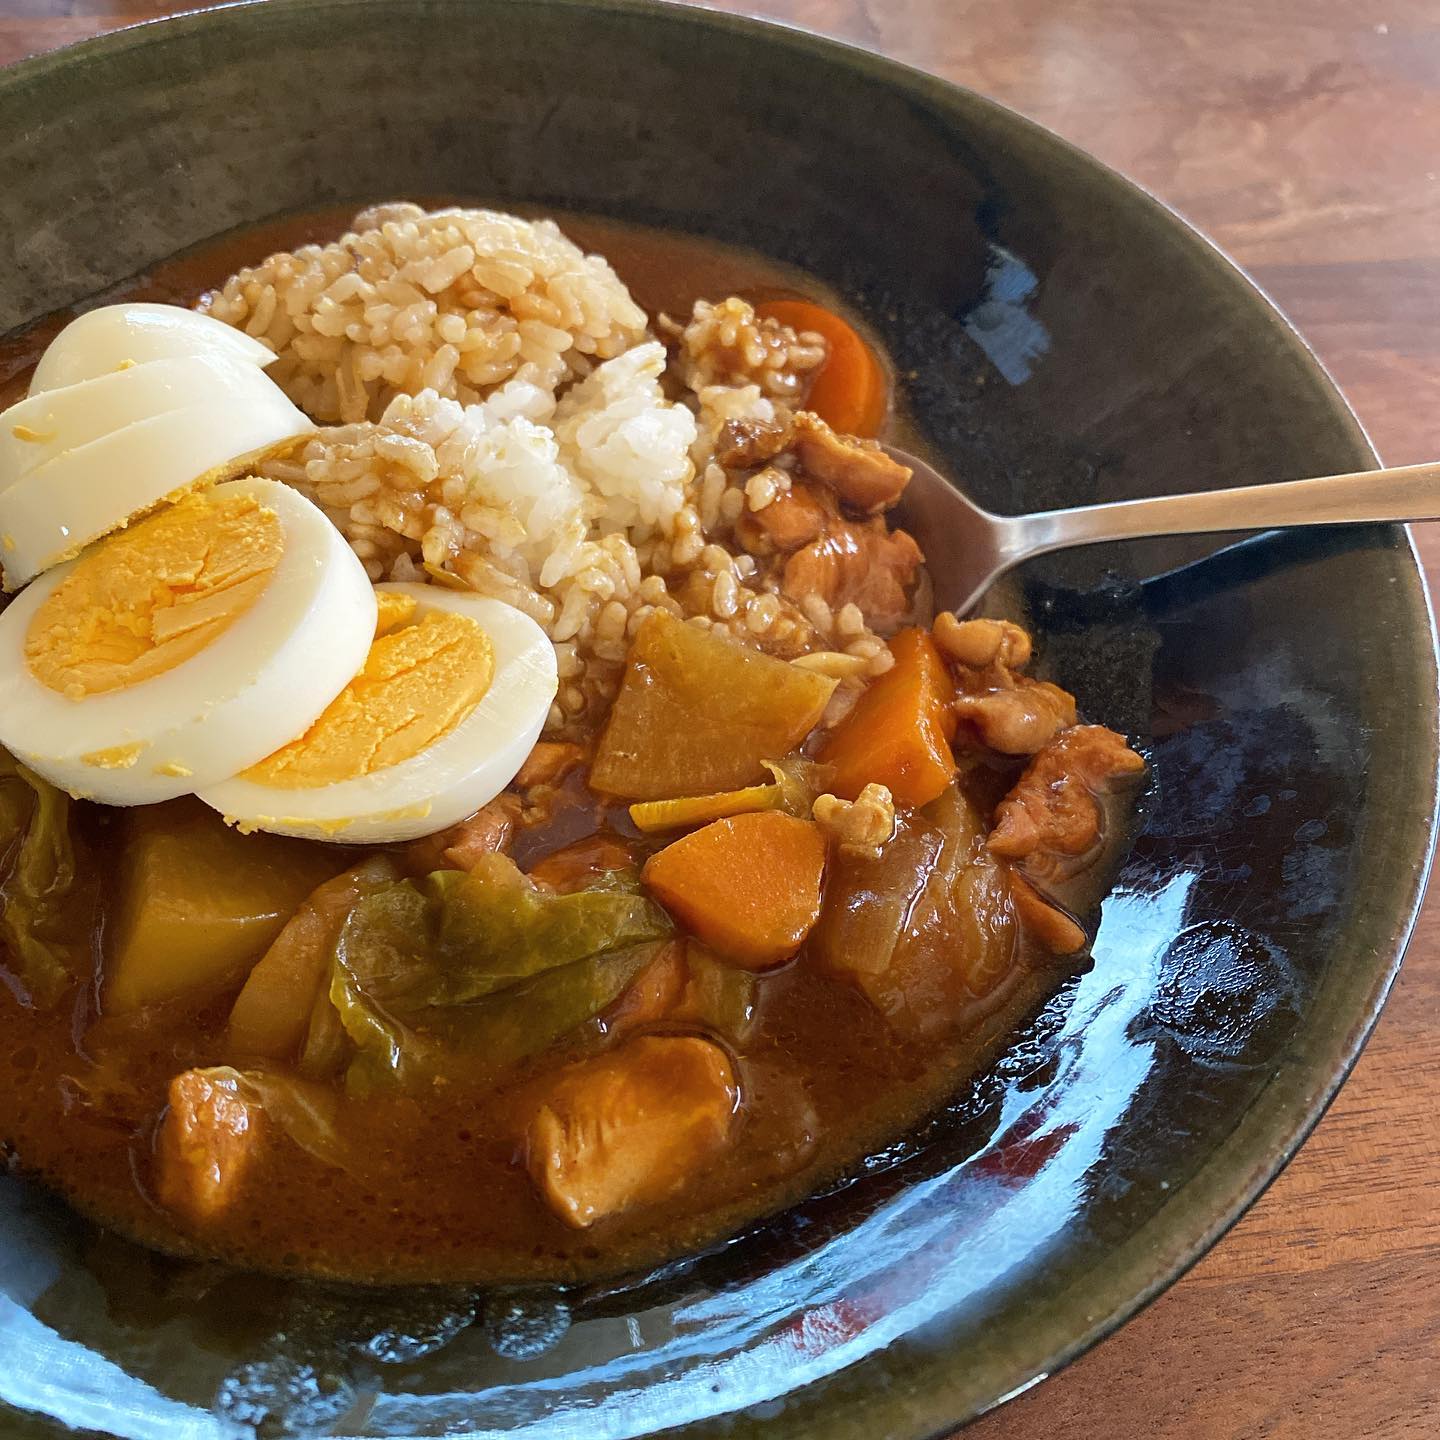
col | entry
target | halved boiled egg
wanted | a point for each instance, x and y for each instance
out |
(130, 405)
(451, 698)
(119, 336)
(84, 491)
(187, 647)
(46, 426)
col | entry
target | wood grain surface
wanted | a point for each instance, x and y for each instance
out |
(1304, 137)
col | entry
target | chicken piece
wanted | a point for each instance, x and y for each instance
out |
(838, 559)
(207, 1142)
(858, 471)
(1046, 924)
(487, 832)
(574, 866)
(548, 764)
(1006, 712)
(863, 826)
(1052, 810)
(744, 444)
(863, 564)
(980, 643)
(792, 519)
(631, 1127)
(1020, 719)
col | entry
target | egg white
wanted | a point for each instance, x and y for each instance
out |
(446, 781)
(102, 340)
(262, 682)
(233, 414)
(46, 426)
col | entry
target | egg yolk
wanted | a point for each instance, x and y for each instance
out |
(417, 685)
(393, 609)
(151, 597)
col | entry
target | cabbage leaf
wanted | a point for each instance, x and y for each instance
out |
(471, 972)
(46, 904)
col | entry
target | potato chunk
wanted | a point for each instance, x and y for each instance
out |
(632, 1127)
(207, 1141)
(198, 902)
(698, 712)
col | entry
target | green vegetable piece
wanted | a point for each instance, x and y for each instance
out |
(475, 971)
(459, 936)
(483, 1037)
(530, 1017)
(46, 904)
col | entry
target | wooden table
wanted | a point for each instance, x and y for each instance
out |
(1304, 136)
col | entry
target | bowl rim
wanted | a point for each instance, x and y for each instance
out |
(1257, 1159)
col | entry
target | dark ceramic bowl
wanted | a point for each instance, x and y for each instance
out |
(1068, 340)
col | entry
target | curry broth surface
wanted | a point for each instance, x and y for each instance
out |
(441, 1191)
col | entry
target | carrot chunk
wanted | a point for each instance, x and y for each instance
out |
(849, 393)
(898, 733)
(748, 887)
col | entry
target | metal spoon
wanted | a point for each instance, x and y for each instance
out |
(972, 548)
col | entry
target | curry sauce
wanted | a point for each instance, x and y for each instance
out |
(810, 1063)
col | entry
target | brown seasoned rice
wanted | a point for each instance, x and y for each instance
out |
(456, 301)
(728, 344)
(505, 430)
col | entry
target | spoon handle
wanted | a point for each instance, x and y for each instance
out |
(1411, 492)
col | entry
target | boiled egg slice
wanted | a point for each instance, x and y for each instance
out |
(450, 701)
(184, 648)
(116, 337)
(45, 426)
(228, 416)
